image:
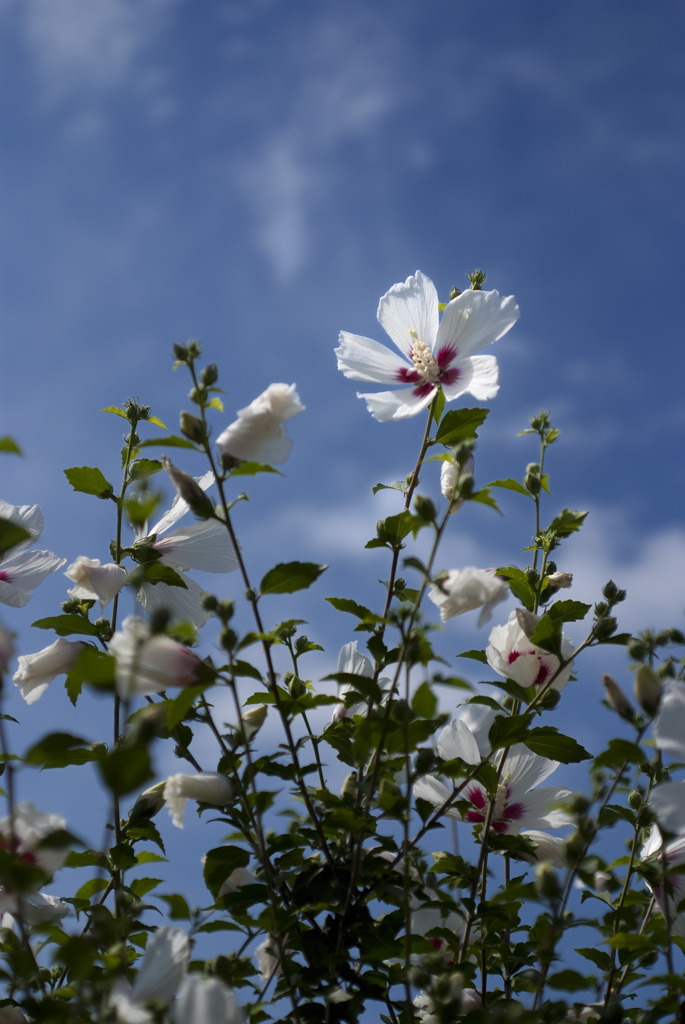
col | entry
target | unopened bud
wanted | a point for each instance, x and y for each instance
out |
(210, 374)
(296, 686)
(605, 627)
(189, 490)
(547, 881)
(349, 786)
(531, 480)
(193, 428)
(454, 292)
(527, 621)
(647, 689)
(254, 718)
(616, 698)
(424, 508)
(149, 803)
(453, 477)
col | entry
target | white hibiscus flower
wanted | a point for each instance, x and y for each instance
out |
(23, 570)
(435, 353)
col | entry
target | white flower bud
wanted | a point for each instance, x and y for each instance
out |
(205, 787)
(648, 689)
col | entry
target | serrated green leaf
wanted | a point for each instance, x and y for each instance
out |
(156, 421)
(460, 425)
(509, 729)
(220, 863)
(398, 485)
(287, 577)
(547, 741)
(116, 411)
(67, 625)
(89, 480)
(567, 522)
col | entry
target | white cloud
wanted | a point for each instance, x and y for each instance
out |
(79, 44)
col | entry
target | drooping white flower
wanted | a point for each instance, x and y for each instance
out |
(149, 663)
(95, 582)
(159, 977)
(236, 880)
(205, 1001)
(23, 834)
(36, 671)
(435, 353)
(519, 802)
(512, 655)
(205, 787)
(23, 570)
(33, 908)
(205, 546)
(258, 435)
(462, 590)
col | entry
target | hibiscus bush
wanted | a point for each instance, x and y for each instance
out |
(395, 842)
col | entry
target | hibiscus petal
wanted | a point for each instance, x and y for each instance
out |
(412, 306)
(364, 359)
(475, 319)
(183, 605)
(396, 405)
(479, 376)
(205, 546)
(457, 740)
(539, 812)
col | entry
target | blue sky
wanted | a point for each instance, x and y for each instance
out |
(257, 174)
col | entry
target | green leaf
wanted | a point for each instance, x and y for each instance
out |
(287, 577)
(599, 957)
(519, 585)
(89, 480)
(398, 485)
(67, 625)
(460, 425)
(172, 441)
(568, 611)
(91, 666)
(143, 468)
(547, 741)
(394, 529)
(116, 411)
(59, 749)
(511, 485)
(11, 534)
(567, 522)
(252, 468)
(126, 769)
(156, 572)
(424, 702)
(156, 421)
(569, 981)
(220, 863)
(9, 445)
(178, 907)
(475, 656)
(346, 604)
(509, 729)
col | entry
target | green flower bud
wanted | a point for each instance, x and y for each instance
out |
(424, 508)
(636, 649)
(616, 698)
(192, 428)
(210, 374)
(189, 490)
(547, 882)
(647, 689)
(296, 686)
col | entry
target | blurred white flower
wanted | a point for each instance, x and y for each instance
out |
(36, 671)
(205, 546)
(462, 590)
(511, 654)
(206, 1001)
(669, 724)
(267, 961)
(95, 582)
(669, 860)
(159, 976)
(258, 435)
(352, 662)
(149, 663)
(33, 908)
(435, 354)
(236, 880)
(24, 834)
(205, 787)
(23, 570)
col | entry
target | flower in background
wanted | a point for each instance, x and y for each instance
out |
(669, 724)
(205, 546)
(518, 802)
(205, 1001)
(6, 648)
(33, 908)
(258, 435)
(150, 662)
(462, 590)
(36, 671)
(267, 959)
(25, 832)
(23, 570)
(351, 662)
(159, 976)
(205, 787)
(511, 654)
(95, 582)
(669, 861)
(435, 354)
